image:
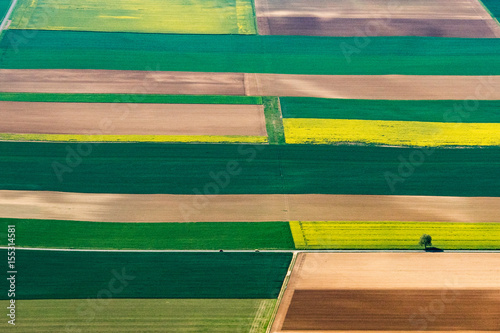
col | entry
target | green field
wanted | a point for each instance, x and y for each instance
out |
(249, 54)
(141, 315)
(129, 98)
(493, 7)
(4, 8)
(293, 169)
(394, 235)
(83, 274)
(151, 236)
(426, 111)
(154, 16)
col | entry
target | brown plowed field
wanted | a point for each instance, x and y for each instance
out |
(339, 27)
(357, 292)
(120, 82)
(138, 119)
(394, 310)
(244, 208)
(397, 87)
(434, 18)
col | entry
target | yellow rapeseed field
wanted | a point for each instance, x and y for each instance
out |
(397, 133)
(133, 138)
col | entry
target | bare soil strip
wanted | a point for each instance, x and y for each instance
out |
(397, 87)
(449, 273)
(118, 82)
(442, 18)
(362, 27)
(435, 9)
(393, 310)
(244, 208)
(129, 119)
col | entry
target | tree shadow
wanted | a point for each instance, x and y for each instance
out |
(433, 249)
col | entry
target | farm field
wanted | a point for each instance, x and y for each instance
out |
(322, 310)
(301, 235)
(137, 84)
(150, 16)
(81, 274)
(375, 18)
(493, 8)
(260, 54)
(137, 168)
(392, 133)
(132, 119)
(402, 110)
(174, 236)
(137, 315)
(251, 166)
(394, 235)
(129, 98)
(313, 299)
(396, 87)
(4, 7)
(147, 208)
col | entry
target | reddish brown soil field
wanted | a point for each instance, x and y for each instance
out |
(394, 310)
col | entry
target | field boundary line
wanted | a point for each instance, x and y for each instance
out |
(7, 16)
(20, 248)
(282, 291)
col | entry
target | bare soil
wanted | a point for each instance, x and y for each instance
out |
(244, 208)
(132, 119)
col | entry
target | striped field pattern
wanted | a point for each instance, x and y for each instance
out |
(164, 161)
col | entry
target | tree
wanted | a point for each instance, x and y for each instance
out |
(425, 240)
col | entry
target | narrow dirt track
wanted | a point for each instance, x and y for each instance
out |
(244, 208)
(139, 119)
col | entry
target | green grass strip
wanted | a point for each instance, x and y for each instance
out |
(129, 98)
(250, 53)
(395, 235)
(425, 111)
(274, 122)
(83, 274)
(150, 236)
(293, 169)
(99, 314)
